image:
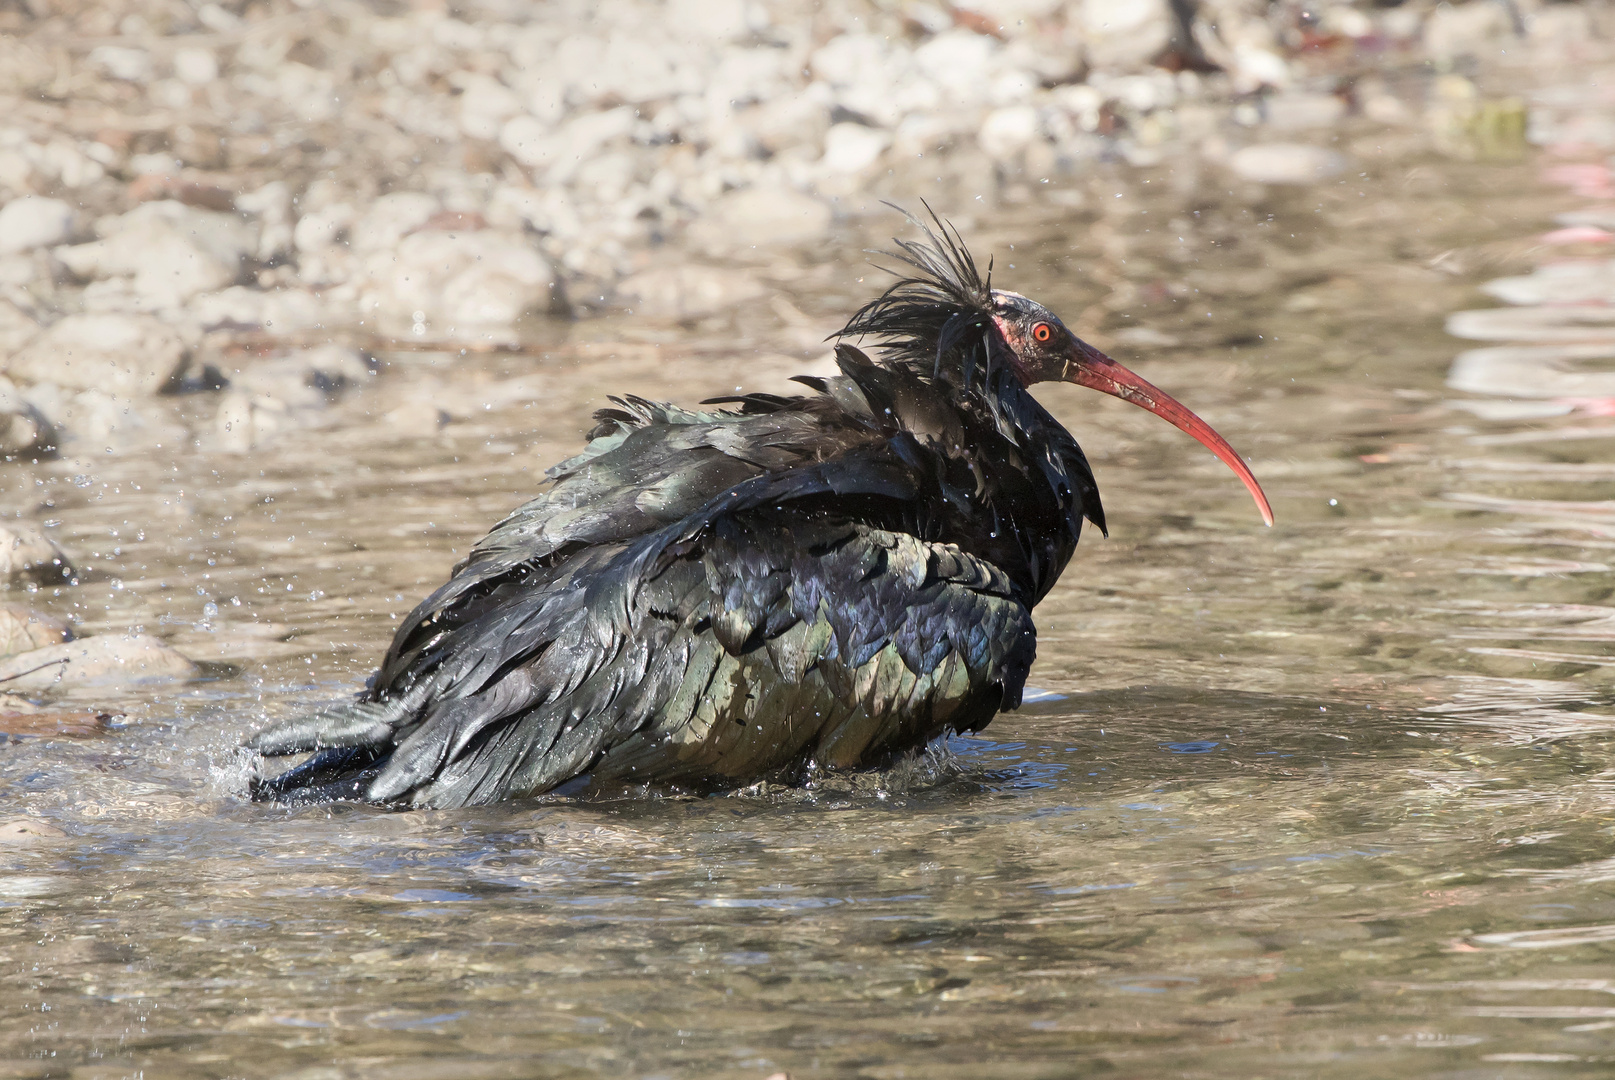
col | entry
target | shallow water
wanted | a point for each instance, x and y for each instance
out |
(1330, 800)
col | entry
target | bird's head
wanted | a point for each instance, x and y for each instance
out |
(938, 315)
(1041, 349)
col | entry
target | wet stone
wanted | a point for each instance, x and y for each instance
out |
(1287, 163)
(33, 222)
(28, 556)
(22, 629)
(120, 353)
(109, 660)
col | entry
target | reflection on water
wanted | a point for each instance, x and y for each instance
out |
(1329, 800)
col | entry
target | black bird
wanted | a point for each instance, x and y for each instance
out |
(790, 583)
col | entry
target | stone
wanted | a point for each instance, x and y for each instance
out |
(23, 428)
(561, 152)
(28, 556)
(687, 292)
(1125, 35)
(761, 217)
(33, 222)
(99, 661)
(1570, 282)
(123, 62)
(126, 354)
(1541, 324)
(23, 629)
(1006, 132)
(322, 228)
(280, 310)
(1295, 111)
(28, 832)
(852, 148)
(457, 282)
(391, 218)
(17, 328)
(195, 66)
(97, 422)
(1536, 371)
(1287, 163)
(167, 252)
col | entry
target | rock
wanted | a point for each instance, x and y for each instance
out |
(123, 62)
(1558, 323)
(1571, 282)
(167, 251)
(1456, 30)
(458, 282)
(195, 66)
(322, 228)
(1287, 163)
(1006, 132)
(107, 660)
(485, 105)
(96, 422)
(23, 428)
(27, 832)
(1535, 371)
(561, 152)
(852, 148)
(1125, 34)
(392, 217)
(125, 354)
(17, 328)
(22, 630)
(687, 292)
(1298, 112)
(280, 310)
(28, 556)
(761, 217)
(32, 222)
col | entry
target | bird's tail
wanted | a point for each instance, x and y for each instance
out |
(352, 742)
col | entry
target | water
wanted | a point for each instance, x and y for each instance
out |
(1330, 800)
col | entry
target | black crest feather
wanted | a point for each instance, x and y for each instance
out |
(937, 298)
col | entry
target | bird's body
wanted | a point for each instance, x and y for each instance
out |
(709, 598)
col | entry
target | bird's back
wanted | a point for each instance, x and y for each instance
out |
(700, 597)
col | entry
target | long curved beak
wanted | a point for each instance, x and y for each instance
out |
(1091, 368)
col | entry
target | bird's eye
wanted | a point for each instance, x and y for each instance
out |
(1041, 332)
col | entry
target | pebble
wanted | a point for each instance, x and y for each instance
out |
(160, 254)
(1558, 283)
(761, 217)
(118, 353)
(687, 292)
(16, 328)
(1536, 371)
(104, 660)
(458, 283)
(22, 629)
(1541, 324)
(23, 428)
(1287, 163)
(27, 555)
(34, 222)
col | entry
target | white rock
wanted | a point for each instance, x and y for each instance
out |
(17, 328)
(122, 62)
(458, 282)
(272, 206)
(390, 218)
(852, 148)
(1575, 322)
(283, 310)
(96, 422)
(31, 222)
(1006, 132)
(760, 217)
(97, 661)
(22, 629)
(1454, 30)
(1298, 112)
(322, 227)
(1287, 163)
(485, 104)
(1570, 282)
(562, 151)
(1125, 34)
(167, 251)
(687, 292)
(1536, 371)
(28, 555)
(23, 428)
(707, 20)
(195, 66)
(127, 354)
(960, 62)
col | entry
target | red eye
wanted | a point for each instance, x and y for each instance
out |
(1041, 332)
